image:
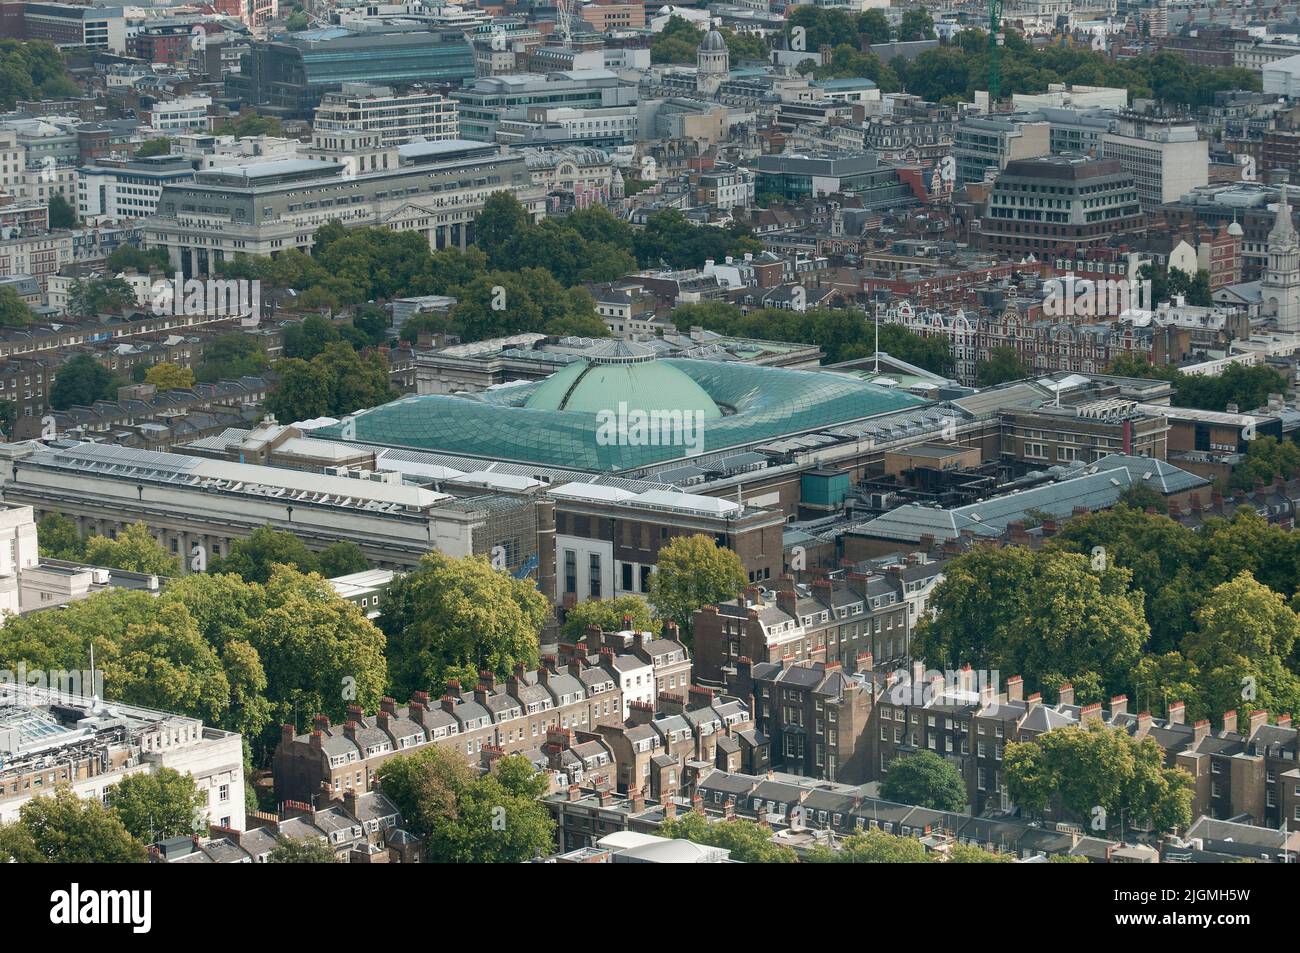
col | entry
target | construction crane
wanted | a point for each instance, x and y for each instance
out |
(996, 40)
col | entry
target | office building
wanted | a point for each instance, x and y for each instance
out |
(397, 118)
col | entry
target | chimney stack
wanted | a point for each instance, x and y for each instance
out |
(1065, 694)
(1200, 730)
(1119, 706)
(1177, 712)
(1230, 722)
(1015, 689)
(1258, 719)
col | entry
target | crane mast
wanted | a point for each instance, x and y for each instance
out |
(995, 52)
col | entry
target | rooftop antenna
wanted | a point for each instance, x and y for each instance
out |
(877, 367)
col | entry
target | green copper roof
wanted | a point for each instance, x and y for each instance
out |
(564, 421)
(592, 387)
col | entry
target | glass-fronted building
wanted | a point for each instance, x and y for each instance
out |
(288, 77)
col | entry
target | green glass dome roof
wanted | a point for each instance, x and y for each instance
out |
(557, 422)
(590, 387)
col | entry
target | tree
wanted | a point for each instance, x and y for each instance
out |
(874, 27)
(130, 258)
(499, 819)
(57, 538)
(17, 845)
(99, 296)
(693, 571)
(496, 818)
(302, 850)
(745, 46)
(677, 42)
(62, 213)
(1099, 774)
(1266, 459)
(157, 805)
(154, 147)
(231, 355)
(169, 377)
(66, 829)
(310, 337)
(341, 559)
(874, 847)
(748, 842)
(337, 381)
(917, 24)
(14, 312)
(251, 124)
(134, 550)
(609, 615)
(32, 69)
(319, 652)
(1245, 637)
(501, 218)
(303, 391)
(927, 780)
(254, 558)
(1003, 364)
(1141, 497)
(425, 786)
(452, 618)
(970, 854)
(1047, 615)
(81, 381)
(1162, 556)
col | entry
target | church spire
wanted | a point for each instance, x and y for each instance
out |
(1283, 230)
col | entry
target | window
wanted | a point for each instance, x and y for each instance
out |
(593, 575)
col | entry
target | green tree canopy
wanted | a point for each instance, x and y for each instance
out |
(1003, 364)
(302, 850)
(158, 804)
(748, 842)
(693, 571)
(607, 615)
(66, 829)
(1099, 775)
(254, 558)
(452, 618)
(133, 549)
(14, 312)
(81, 381)
(927, 780)
(495, 818)
(342, 559)
(57, 538)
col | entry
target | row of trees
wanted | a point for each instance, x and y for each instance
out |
(139, 810)
(954, 71)
(518, 276)
(1247, 387)
(843, 333)
(1127, 602)
(242, 656)
(32, 69)
(252, 559)
(679, 42)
